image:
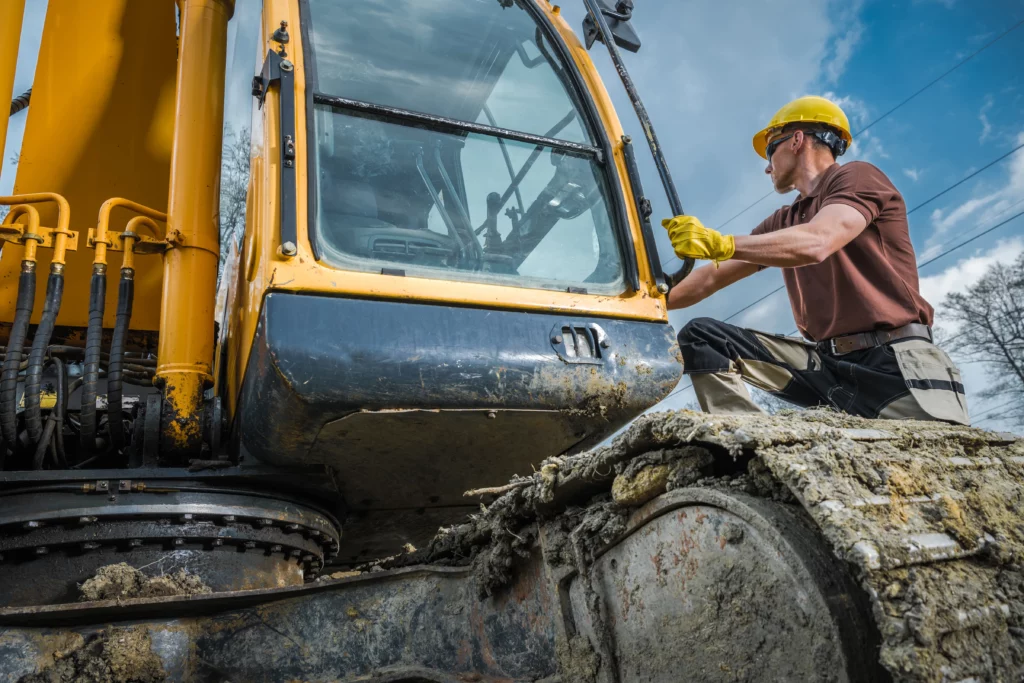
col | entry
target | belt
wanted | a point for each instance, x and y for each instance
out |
(839, 346)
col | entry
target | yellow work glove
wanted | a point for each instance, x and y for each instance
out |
(691, 239)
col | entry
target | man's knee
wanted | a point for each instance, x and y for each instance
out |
(701, 329)
(705, 345)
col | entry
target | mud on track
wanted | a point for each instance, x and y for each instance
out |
(928, 517)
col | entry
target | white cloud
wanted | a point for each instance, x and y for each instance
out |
(912, 173)
(866, 146)
(980, 211)
(986, 126)
(844, 48)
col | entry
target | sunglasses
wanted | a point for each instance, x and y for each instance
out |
(774, 144)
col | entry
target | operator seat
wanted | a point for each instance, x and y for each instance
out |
(349, 222)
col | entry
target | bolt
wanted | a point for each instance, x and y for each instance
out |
(286, 65)
(124, 485)
(491, 414)
(288, 249)
(179, 541)
(662, 288)
(605, 343)
(112, 499)
(218, 542)
(557, 339)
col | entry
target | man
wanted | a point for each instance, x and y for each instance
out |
(850, 271)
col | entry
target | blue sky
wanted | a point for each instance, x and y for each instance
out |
(712, 73)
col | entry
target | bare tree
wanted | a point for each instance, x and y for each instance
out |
(991, 318)
(234, 188)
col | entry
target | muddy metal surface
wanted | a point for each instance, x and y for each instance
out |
(424, 624)
(926, 515)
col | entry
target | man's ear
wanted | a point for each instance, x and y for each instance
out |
(800, 137)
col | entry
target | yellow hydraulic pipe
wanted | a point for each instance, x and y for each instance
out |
(190, 264)
(100, 241)
(60, 234)
(131, 235)
(31, 231)
(11, 14)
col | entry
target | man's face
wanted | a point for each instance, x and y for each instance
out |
(782, 160)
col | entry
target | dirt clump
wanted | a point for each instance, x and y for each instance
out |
(122, 581)
(577, 661)
(116, 655)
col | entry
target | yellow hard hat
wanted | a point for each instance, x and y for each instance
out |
(811, 109)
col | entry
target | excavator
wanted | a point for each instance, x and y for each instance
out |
(447, 279)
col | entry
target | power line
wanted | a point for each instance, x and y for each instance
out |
(968, 241)
(905, 101)
(939, 78)
(966, 178)
(989, 411)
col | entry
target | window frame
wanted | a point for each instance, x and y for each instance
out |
(602, 154)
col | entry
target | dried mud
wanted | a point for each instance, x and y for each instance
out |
(122, 581)
(927, 516)
(117, 655)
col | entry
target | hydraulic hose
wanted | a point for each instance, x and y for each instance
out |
(21, 101)
(125, 294)
(93, 348)
(43, 444)
(37, 355)
(12, 362)
(61, 410)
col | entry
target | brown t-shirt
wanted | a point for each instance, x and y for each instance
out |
(869, 284)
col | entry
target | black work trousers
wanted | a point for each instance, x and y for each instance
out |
(905, 379)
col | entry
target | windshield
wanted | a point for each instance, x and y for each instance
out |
(507, 188)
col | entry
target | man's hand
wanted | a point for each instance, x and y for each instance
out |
(691, 239)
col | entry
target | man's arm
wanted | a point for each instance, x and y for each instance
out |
(835, 226)
(706, 280)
